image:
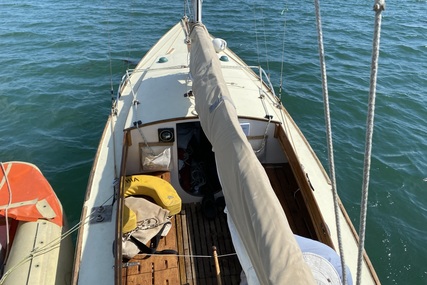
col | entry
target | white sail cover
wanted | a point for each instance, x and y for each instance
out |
(252, 204)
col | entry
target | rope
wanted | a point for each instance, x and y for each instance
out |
(264, 138)
(329, 138)
(144, 139)
(378, 8)
(135, 104)
(190, 255)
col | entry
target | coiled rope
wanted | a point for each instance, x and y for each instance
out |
(329, 137)
(379, 6)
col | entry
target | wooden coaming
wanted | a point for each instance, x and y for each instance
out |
(321, 231)
(287, 191)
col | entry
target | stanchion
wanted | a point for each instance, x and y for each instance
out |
(217, 270)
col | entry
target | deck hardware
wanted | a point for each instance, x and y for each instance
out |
(101, 214)
(137, 123)
(163, 59)
(217, 268)
(129, 264)
(189, 94)
(166, 135)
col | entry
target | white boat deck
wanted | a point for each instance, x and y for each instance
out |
(156, 79)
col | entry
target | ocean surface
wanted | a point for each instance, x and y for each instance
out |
(59, 60)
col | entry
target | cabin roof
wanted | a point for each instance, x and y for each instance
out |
(163, 75)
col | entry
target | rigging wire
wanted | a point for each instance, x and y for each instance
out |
(113, 101)
(379, 6)
(265, 42)
(285, 9)
(187, 9)
(109, 52)
(256, 36)
(329, 137)
(129, 34)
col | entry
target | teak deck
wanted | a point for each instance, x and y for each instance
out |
(193, 237)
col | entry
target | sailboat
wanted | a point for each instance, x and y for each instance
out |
(34, 248)
(202, 177)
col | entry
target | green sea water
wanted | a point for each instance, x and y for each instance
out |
(59, 60)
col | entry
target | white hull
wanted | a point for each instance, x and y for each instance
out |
(159, 89)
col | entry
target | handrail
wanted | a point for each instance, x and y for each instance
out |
(130, 71)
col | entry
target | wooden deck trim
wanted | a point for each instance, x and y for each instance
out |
(289, 195)
(305, 187)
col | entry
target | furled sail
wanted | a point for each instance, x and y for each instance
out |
(252, 205)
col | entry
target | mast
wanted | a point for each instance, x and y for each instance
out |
(197, 9)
